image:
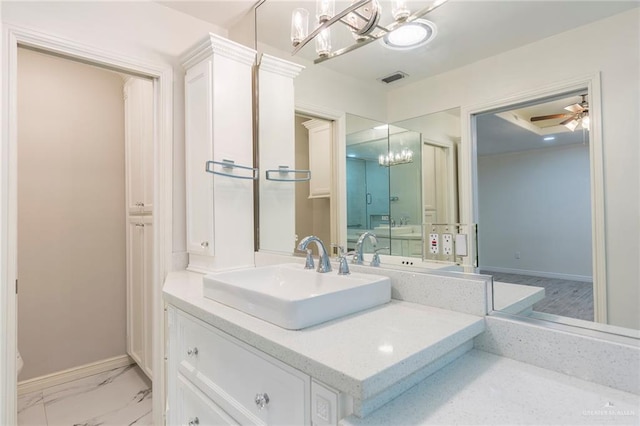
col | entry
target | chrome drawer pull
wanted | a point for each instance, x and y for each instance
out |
(192, 352)
(204, 244)
(194, 421)
(262, 399)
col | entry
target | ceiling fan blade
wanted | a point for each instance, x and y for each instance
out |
(575, 108)
(549, 117)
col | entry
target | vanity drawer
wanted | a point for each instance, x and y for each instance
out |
(252, 387)
(194, 408)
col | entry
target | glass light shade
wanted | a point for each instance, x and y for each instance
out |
(586, 122)
(399, 10)
(325, 9)
(572, 124)
(323, 42)
(299, 25)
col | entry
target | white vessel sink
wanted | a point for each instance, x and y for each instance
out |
(293, 297)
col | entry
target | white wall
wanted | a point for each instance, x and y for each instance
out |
(536, 203)
(610, 46)
(142, 30)
(71, 214)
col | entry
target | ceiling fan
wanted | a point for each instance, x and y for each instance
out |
(578, 114)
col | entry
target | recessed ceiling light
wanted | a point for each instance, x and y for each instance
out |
(411, 35)
(381, 127)
(549, 138)
(351, 155)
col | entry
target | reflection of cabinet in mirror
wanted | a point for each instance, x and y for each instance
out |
(218, 127)
(439, 182)
(320, 142)
(277, 149)
(313, 198)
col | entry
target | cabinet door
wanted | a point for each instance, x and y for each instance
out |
(199, 149)
(138, 101)
(148, 302)
(140, 291)
(320, 141)
(135, 290)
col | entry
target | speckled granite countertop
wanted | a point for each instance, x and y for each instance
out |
(484, 389)
(362, 354)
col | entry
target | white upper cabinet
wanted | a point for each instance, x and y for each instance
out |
(320, 143)
(138, 103)
(218, 131)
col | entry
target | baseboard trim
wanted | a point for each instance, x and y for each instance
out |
(43, 382)
(543, 274)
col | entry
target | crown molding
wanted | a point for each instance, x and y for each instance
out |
(280, 66)
(214, 44)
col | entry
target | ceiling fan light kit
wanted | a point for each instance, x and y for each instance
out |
(578, 115)
(362, 18)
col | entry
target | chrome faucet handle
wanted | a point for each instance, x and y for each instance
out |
(309, 264)
(376, 257)
(343, 266)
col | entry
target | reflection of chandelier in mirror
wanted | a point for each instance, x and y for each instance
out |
(393, 159)
(362, 17)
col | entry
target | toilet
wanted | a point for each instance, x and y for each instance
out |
(19, 363)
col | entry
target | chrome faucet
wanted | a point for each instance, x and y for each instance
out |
(358, 258)
(324, 265)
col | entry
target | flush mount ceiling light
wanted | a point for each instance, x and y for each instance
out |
(362, 19)
(411, 35)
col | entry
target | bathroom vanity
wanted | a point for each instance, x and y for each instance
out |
(399, 363)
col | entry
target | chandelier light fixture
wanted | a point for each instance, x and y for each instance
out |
(361, 17)
(393, 159)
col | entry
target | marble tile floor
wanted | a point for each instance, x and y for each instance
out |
(117, 397)
(566, 298)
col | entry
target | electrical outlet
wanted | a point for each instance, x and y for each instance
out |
(447, 244)
(434, 243)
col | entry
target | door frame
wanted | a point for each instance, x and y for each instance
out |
(12, 38)
(469, 172)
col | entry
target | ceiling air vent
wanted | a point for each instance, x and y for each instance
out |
(398, 75)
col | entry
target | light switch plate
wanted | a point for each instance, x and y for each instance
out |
(461, 245)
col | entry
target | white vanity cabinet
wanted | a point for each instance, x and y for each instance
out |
(214, 376)
(219, 127)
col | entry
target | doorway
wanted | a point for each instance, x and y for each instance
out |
(162, 159)
(534, 202)
(73, 321)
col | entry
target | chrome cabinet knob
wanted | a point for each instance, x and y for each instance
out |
(192, 351)
(204, 244)
(194, 421)
(262, 399)
(140, 225)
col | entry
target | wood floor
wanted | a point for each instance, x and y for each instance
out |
(566, 298)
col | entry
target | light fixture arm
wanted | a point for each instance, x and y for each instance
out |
(366, 39)
(328, 23)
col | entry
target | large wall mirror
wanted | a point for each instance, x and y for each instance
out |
(472, 82)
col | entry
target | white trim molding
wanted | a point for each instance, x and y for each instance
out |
(469, 173)
(162, 75)
(71, 374)
(488, 270)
